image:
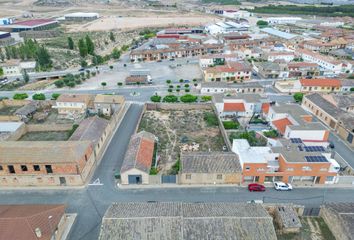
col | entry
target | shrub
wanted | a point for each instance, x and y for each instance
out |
(170, 99)
(250, 136)
(188, 98)
(181, 80)
(211, 119)
(38, 96)
(206, 98)
(271, 134)
(103, 84)
(59, 83)
(119, 83)
(231, 125)
(186, 85)
(55, 96)
(169, 90)
(72, 130)
(155, 98)
(20, 96)
(153, 171)
(186, 90)
(168, 81)
(262, 23)
(171, 86)
(298, 97)
(175, 168)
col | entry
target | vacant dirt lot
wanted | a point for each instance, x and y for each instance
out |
(127, 23)
(181, 130)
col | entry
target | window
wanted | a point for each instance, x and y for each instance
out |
(330, 178)
(188, 176)
(247, 168)
(11, 169)
(36, 168)
(306, 168)
(1, 168)
(24, 168)
(48, 168)
(260, 169)
(219, 176)
(85, 157)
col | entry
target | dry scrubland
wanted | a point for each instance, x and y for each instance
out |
(177, 128)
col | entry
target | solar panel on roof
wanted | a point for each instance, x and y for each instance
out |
(316, 159)
(295, 140)
(314, 149)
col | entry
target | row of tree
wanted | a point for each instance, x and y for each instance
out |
(28, 50)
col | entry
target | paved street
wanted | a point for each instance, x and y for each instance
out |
(91, 202)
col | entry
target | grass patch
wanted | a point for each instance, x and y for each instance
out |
(231, 125)
(251, 136)
(45, 136)
(211, 119)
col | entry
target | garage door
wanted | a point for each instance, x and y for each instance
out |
(134, 179)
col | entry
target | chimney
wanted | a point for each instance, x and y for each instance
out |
(38, 232)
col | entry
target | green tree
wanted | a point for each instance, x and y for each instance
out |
(70, 43)
(59, 83)
(55, 96)
(103, 84)
(25, 76)
(82, 48)
(1, 72)
(188, 98)
(120, 84)
(111, 67)
(83, 63)
(43, 59)
(38, 96)
(155, 98)
(20, 96)
(112, 37)
(298, 97)
(230, 125)
(115, 53)
(262, 23)
(168, 81)
(90, 45)
(170, 99)
(181, 80)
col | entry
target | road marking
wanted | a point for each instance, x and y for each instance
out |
(97, 182)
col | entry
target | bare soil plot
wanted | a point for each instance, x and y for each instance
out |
(45, 136)
(181, 129)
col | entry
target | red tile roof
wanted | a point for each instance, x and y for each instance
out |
(234, 107)
(35, 22)
(321, 82)
(21, 221)
(281, 124)
(145, 152)
(265, 107)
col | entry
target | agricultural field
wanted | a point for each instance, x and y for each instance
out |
(182, 130)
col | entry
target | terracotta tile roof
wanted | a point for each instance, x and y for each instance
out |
(234, 107)
(21, 221)
(81, 98)
(301, 64)
(322, 82)
(265, 107)
(103, 98)
(35, 22)
(140, 152)
(281, 124)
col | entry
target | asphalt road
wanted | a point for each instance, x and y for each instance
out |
(92, 201)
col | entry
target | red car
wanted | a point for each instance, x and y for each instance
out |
(255, 187)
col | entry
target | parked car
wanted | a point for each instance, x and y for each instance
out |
(280, 186)
(255, 187)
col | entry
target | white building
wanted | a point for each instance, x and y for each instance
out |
(80, 16)
(226, 27)
(283, 20)
(329, 64)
